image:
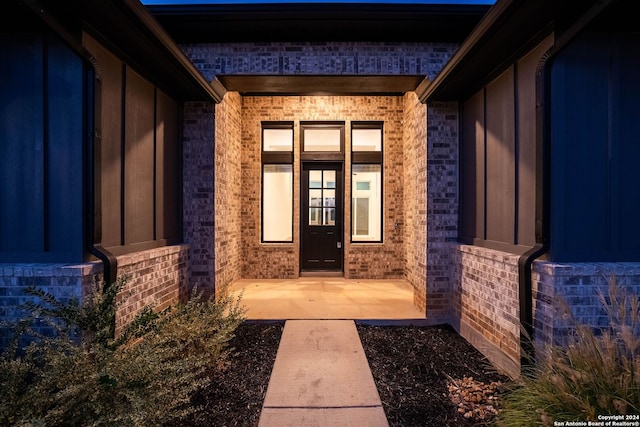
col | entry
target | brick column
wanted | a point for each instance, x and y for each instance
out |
(198, 192)
(442, 205)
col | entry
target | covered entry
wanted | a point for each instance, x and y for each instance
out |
(350, 191)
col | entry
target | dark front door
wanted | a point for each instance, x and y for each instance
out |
(321, 216)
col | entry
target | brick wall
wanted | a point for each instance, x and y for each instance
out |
(198, 191)
(414, 226)
(486, 303)
(157, 277)
(270, 260)
(442, 205)
(320, 58)
(576, 284)
(228, 190)
(64, 281)
(361, 260)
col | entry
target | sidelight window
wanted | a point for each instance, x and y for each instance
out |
(277, 182)
(366, 182)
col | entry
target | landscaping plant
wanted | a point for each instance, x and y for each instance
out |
(83, 375)
(596, 373)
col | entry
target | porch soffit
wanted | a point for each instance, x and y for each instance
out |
(320, 85)
(318, 22)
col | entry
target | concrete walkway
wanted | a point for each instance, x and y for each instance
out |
(321, 377)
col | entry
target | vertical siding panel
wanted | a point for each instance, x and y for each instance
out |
(64, 153)
(526, 95)
(110, 74)
(472, 168)
(168, 204)
(580, 175)
(626, 128)
(500, 161)
(21, 144)
(139, 154)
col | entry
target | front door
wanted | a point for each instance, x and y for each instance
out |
(321, 216)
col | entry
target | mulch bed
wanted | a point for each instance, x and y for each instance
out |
(425, 376)
(431, 376)
(236, 395)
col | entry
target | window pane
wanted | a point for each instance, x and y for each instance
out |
(321, 140)
(363, 186)
(329, 198)
(315, 198)
(329, 216)
(329, 180)
(277, 203)
(315, 216)
(366, 203)
(366, 140)
(277, 140)
(362, 220)
(315, 179)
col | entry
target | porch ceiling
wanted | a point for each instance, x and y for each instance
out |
(318, 85)
(318, 22)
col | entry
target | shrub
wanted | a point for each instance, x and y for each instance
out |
(83, 375)
(596, 373)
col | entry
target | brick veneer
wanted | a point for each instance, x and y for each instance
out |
(157, 277)
(441, 206)
(577, 284)
(198, 189)
(337, 58)
(362, 260)
(486, 302)
(66, 282)
(414, 226)
(229, 199)
(403, 251)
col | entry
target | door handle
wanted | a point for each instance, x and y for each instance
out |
(339, 245)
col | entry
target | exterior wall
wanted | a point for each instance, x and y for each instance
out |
(352, 58)
(362, 260)
(139, 145)
(414, 226)
(320, 58)
(65, 281)
(441, 207)
(198, 197)
(43, 135)
(227, 191)
(578, 285)
(486, 303)
(157, 277)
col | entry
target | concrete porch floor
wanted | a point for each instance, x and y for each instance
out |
(327, 298)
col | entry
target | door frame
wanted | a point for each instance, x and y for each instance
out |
(339, 167)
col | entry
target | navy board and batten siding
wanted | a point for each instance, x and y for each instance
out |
(60, 104)
(595, 143)
(42, 133)
(46, 118)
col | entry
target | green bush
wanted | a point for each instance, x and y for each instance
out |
(596, 373)
(84, 376)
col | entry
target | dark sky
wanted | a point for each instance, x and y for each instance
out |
(316, 1)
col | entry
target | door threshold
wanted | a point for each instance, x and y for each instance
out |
(321, 273)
